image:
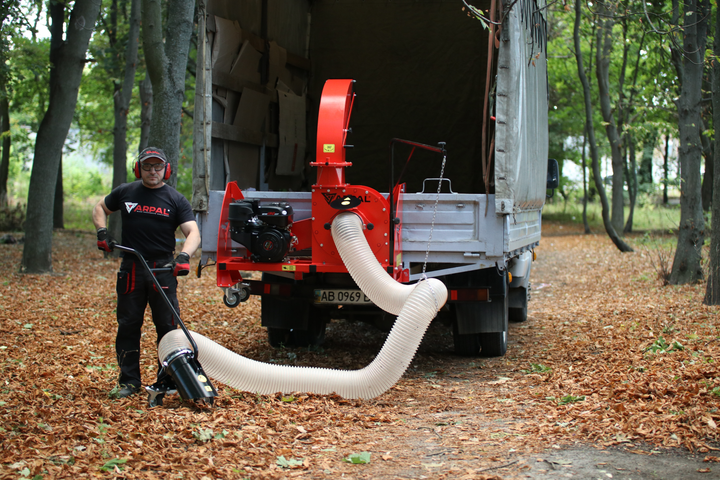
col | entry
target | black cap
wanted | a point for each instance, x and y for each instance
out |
(152, 152)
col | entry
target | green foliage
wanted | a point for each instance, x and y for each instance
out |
(206, 434)
(538, 368)
(203, 434)
(288, 463)
(478, 14)
(77, 213)
(646, 94)
(358, 458)
(661, 346)
(568, 399)
(82, 182)
(27, 73)
(114, 464)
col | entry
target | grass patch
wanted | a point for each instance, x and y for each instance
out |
(77, 213)
(647, 217)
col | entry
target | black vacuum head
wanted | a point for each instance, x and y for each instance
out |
(189, 377)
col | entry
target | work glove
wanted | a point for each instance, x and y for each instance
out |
(181, 265)
(104, 241)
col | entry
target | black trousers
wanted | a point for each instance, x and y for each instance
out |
(136, 290)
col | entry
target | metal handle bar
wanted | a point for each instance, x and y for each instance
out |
(162, 292)
(440, 180)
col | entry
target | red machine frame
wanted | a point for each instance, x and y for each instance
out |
(331, 195)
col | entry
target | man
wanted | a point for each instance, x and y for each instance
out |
(151, 212)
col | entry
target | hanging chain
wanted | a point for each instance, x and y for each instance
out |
(432, 227)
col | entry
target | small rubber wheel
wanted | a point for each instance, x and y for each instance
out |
(232, 301)
(243, 294)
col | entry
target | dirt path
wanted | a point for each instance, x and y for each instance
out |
(473, 418)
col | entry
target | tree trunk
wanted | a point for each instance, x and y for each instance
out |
(712, 291)
(4, 110)
(632, 182)
(58, 203)
(121, 103)
(602, 69)
(146, 108)
(166, 64)
(68, 61)
(202, 113)
(707, 179)
(5, 161)
(619, 243)
(666, 169)
(645, 175)
(688, 254)
(585, 189)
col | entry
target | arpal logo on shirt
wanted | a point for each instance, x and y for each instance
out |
(149, 209)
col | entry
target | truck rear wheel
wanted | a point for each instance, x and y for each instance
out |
(518, 315)
(472, 318)
(278, 337)
(518, 304)
(291, 321)
(493, 344)
(312, 336)
(466, 345)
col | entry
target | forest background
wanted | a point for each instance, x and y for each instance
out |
(642, 74)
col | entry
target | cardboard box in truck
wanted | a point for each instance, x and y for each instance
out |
(414, 115)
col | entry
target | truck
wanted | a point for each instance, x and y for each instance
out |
(426, 118)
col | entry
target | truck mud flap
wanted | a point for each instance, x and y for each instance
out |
(481, 317)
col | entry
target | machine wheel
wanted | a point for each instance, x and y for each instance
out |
(232, 301)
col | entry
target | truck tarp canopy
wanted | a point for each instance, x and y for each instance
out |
(521, 146)
(420, 68)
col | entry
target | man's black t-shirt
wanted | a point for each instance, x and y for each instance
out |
(150, 217)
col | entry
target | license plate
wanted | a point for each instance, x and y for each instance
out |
(341, 297)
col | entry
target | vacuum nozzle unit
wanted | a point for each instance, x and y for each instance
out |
(189, 377)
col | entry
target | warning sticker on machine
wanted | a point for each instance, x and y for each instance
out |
(328, 148)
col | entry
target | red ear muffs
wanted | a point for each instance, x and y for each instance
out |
(166, 175)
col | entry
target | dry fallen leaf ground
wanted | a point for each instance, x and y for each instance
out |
(608, 358)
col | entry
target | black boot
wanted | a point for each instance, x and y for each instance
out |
(124, 390)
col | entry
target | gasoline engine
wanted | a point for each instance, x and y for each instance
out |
(262, 229)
